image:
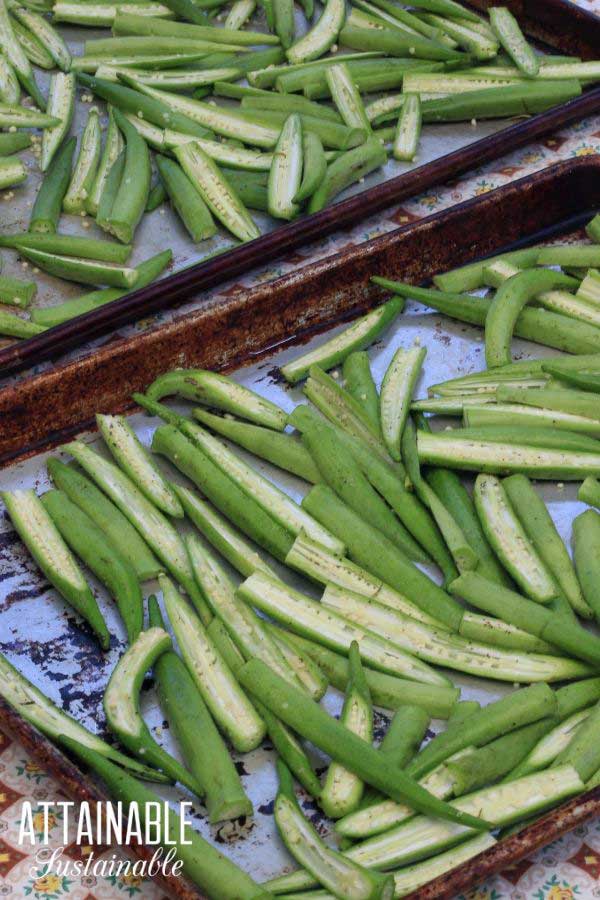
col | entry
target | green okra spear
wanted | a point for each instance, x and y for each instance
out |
(523, 707)
(89, 542)
(121, 705)
(371, 549)
(280, 449)
(248, 631)
(284, 741)
(362, 439)
(360, 385)
(386, 690)
(340, 471)
(241, 509)
(488, 764)
(306, 717)
(220, 534)
(203, 748)
(117, 528)
(528, 615)
(152, 524)
(586, 554)
(43, 540)
(202, 863)
(344, 878)
(583, 752)
(343, 790)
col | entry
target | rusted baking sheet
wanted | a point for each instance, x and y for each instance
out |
(40, 412)
(560, 24)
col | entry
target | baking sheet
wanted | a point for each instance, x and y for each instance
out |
(162, 228)
(40, 635)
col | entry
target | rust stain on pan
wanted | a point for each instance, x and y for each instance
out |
(558, 23)
(81, 787)
(39, 412)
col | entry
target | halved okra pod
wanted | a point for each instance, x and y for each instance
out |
(52, 721)
(16, 56)
(136, 462)
(509, 540)
(55, 315)
(310, 675)
(541, 531)
(216, 191)
(113, 145)
(335, 872)
(343, 790)
(220, 392)
(508, 32)
(357, 336)
(503, 804)
(203, 748)
(432, 645)
(408, 129)
(248, 631)
(331, 628)
(86, 165)
(88, 541)
(43, 540)
(286, 170)
(153, 525)
(121, 705)
(396, 395)
(321, 36)
(80, 269)
(217, 530)
(232, 710)
(61, 104)
(316, 563)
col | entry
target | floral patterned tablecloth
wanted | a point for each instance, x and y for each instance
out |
(569, 869)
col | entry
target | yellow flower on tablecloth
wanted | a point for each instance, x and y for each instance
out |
(585, 151)
(39, 821)
(131, 880)
(558, 892)
(47, 884)
(32, 768)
